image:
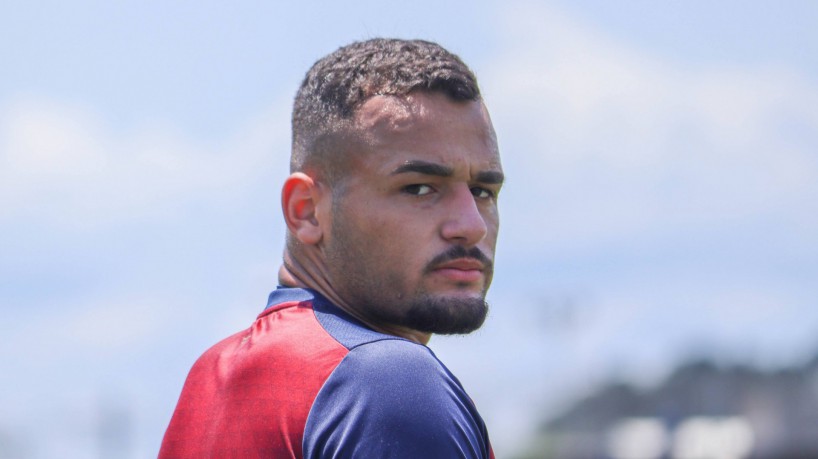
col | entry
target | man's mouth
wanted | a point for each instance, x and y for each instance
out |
(461, 265)
(465, 270)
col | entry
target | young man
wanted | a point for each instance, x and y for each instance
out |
(391, 211)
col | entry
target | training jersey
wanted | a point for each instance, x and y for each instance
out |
(307, 380)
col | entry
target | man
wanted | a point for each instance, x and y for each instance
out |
(391, 212)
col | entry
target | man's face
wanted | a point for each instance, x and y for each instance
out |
(412, 230)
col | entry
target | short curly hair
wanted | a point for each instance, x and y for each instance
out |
(341, 82)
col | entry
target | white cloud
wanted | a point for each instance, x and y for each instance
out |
(61, 164)
(655, 182)
(603, 142)
(94, 328)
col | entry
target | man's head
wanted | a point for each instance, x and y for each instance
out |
(392, 204)
(336, 86)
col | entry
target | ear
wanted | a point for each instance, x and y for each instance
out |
(299, 199)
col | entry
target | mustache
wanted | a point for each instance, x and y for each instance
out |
(458, 251)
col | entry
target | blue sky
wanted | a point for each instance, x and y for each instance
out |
(662, 199)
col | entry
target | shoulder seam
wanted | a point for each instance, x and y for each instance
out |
(384, 338)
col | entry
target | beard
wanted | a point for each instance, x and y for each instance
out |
(422, 312)
(376, 296)
(446, 316)
(376, 287)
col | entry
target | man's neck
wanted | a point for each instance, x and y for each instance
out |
(295, 274)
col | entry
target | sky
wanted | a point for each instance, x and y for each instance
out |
(661, 201)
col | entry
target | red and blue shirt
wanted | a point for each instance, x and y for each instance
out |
(307, 380)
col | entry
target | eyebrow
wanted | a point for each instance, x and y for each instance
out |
(423, 167)
(490, 177)
(439, 170)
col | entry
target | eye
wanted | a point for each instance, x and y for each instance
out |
(482, 193)
(418, 190)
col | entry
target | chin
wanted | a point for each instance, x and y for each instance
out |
(447, 315)
(462, 291)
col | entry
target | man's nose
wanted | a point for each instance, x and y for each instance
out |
(464, 224)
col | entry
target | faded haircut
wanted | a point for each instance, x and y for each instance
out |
(339, 83)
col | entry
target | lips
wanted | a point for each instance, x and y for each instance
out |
(463, 264)
(461, 270)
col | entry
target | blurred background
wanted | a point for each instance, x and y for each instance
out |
(657, 270)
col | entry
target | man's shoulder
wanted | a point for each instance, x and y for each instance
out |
(283, 338)
(394, 398)
(395, 377)
(397, 360)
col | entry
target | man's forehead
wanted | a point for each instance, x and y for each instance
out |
(388, 115)
(427, 128)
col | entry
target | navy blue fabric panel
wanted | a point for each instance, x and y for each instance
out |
(343, 327)
(393, 399)
(287, 294)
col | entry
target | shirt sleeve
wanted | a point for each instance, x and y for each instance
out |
(393, 399)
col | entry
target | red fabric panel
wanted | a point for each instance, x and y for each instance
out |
(249, 395)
